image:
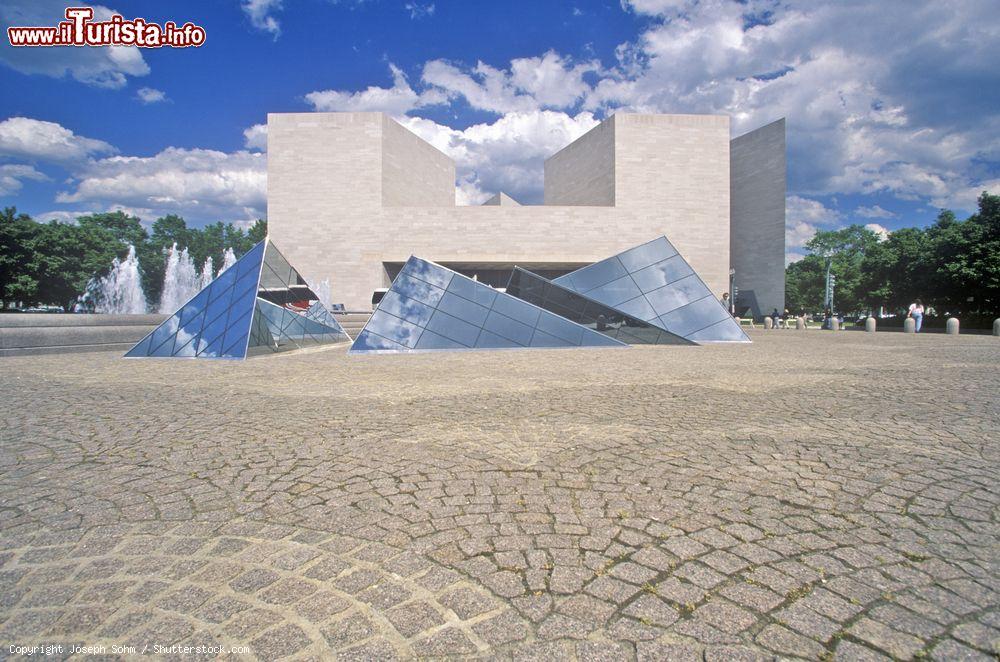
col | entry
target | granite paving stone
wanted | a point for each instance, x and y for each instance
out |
(813, 495)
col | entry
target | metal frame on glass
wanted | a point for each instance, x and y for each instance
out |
(429, 307)
(587, 312)
(227, 318)
(654, 283)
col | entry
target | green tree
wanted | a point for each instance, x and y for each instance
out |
(168, 230)
(804, 283)
(213, 240)
(964, 260)
(123, 227)
(845, 249)
(17, 235)
(895, 271)
(65, 257)
(953, 266)
(256, 234)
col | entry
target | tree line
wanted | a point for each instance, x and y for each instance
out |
(951, 265)
(51, 263)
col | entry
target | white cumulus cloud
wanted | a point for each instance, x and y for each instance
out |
(108, 66)
(396, 100)
(803, 217)
(12, 177)
(148, 95)
(875, 211)
(261, 14)
(483, 87)
(505, 155)
(255, 137)
(868, 90)
(200, 183)
(37, 140)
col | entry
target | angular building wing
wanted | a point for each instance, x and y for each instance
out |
(261, 304)
(430, 307)
(364, 188)
(654, 283)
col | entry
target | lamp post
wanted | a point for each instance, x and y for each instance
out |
(732, 291)
(831, 280)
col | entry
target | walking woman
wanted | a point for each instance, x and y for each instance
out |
(917, 313)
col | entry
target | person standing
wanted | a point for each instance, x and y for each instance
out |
(727, 303)
(916, 311)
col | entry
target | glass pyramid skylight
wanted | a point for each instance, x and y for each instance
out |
(655, 284)
(589, 313)
(430, 307)
(258, 305)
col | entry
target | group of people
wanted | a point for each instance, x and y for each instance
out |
(915, 311)
(779, 320)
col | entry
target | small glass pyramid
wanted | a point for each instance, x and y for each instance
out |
(585, 311)
(655, 284)
(258, 305)
(430, 307)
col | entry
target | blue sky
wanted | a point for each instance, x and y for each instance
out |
(893, 108)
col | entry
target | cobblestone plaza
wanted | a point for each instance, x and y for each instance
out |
(811, 495)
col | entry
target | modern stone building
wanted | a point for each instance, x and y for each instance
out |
(352, 195)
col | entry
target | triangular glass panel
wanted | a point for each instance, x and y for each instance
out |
(212, 349)
(176, 336)
(187, 333)
(583, 311)
(281, 284)
(221, 320)
(286, 329)
(260, 335)
(429, 308)
(319, 313)
(141, 348)
(654, 283)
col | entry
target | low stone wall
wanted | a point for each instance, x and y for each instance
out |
(42, 333)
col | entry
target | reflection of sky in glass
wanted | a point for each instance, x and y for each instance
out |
(450, 311)
(565, 305)
(653, 282)
(662, 273)
(636, 258)
(677, 294)
(215, 322)
(695, 316)
(454, 328)
(413, 288)
(728, 329)
(368, 341)
(220, 321)
(290, 330)
(395, 329)
(463, 309)
(597, 274)
(428, 272)
(615, 292)
(406, 308)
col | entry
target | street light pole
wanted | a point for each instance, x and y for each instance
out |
(732, 291)
(827, 294)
